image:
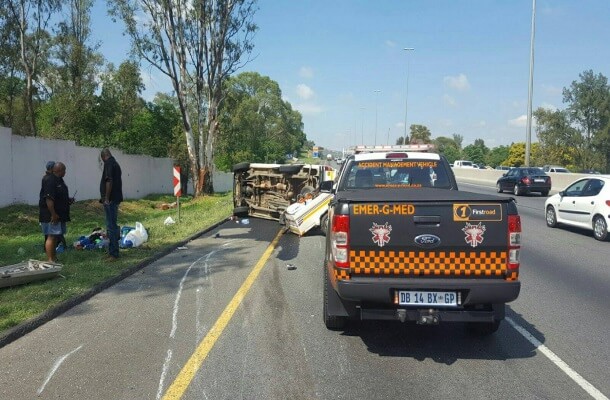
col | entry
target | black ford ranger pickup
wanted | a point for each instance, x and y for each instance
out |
(403, 243)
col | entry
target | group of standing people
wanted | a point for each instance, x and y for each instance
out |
(54, 204)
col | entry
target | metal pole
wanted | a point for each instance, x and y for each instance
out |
(362, 125)
(528, 139)
(376, 97)
(407, 49)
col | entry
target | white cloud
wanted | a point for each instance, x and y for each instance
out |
(548, 106)
(449, 100)
(519, 122)
(304, 91)
(308, 108)
(482, 123)
(390, 43)
(400, 125)
(306, 72)
(459, 82)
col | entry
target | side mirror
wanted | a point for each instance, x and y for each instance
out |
(504, 174)
(326, 186)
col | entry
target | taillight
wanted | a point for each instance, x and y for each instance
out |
(526, 180)
(339, 238)
(549, 180)
(514, 241)
(608, 203)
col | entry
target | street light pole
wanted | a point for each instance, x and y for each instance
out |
(362, 125)
(407, 49)
(376, 97)
(528, 138)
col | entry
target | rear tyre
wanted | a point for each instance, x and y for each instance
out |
(290, 169)
(551, 217)
(516, 190)
(241, 167)
(324, 224)
(499, 188)
(241, 211)
(332, 322)
(600, 228)
(483, 328)
(544, 193)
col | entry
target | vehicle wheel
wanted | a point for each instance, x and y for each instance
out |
(237, 191)
(241, 211)
(324, 224)
(484, 328)
(332, 322)
(600, 229)
(516, 190)
(499, 188)
(241, 167)
(551, 217)
(290, 168)
(544, 193)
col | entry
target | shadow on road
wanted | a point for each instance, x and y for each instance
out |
(445, 343)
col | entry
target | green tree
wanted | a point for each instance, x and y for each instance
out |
(589, 111)
(447, 147)
(257, 125)
(474, 153)
(420, 134)
(31, 20)
(498, 156)
(559, 142)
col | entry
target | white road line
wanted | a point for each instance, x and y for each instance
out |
(582, 382)
(179, 294)
(168, 359)
(56, 367)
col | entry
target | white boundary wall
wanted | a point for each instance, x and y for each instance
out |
(23, 160)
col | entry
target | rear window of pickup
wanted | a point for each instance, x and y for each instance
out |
(392, 174)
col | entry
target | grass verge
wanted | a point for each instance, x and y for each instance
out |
(21, 239)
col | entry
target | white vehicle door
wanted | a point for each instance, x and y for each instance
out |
(584, 205)
(570, 207)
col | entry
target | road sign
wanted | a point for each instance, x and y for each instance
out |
(177, 186)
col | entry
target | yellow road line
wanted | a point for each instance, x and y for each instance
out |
(186, 375)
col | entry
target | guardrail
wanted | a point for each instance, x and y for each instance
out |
(559, 181)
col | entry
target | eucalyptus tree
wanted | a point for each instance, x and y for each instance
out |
(31, 19)
(11, 82)
(197, 44)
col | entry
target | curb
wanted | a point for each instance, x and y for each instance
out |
(28, 326)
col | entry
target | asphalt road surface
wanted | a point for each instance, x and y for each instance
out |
(237, 315)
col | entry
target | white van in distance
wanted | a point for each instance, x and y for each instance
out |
(463, 164)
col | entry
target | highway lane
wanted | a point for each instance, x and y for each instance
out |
(131, 341)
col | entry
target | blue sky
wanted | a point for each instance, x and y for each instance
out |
(468, 74)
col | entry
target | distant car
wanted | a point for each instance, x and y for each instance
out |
(521, 180)
(585, 203)
(503, 168)
(463, 164)
(591, 172)
(555, 168)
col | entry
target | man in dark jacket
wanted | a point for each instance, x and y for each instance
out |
(111, 193)
(54, 208)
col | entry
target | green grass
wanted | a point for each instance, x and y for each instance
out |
(21, 239)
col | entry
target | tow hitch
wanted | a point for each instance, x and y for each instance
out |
(428, 317)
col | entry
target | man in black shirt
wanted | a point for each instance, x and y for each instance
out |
(111, 192)
(54, 206)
